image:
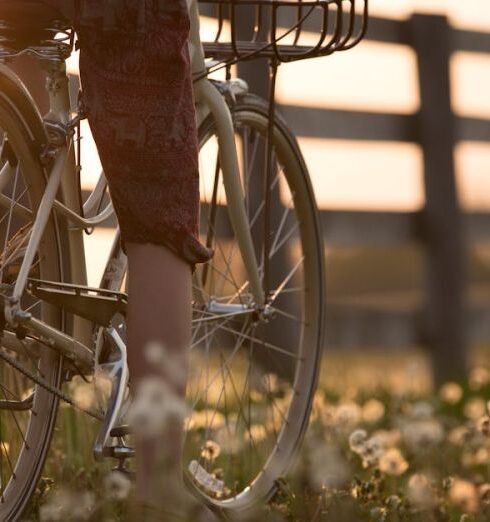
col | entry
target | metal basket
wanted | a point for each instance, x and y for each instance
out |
(283, 30)
(53, 40)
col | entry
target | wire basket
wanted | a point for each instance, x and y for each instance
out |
(283, 30)
(31, 28)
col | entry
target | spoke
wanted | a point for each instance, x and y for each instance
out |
(286, 280)
(289, 316)
(9, 223)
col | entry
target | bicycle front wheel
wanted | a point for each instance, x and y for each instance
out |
(253, 372)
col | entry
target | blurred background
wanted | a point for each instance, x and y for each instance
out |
(396, 135)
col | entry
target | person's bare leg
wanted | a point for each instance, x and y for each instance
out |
(159, 310)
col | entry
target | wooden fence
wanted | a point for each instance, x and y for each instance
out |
(441, 320)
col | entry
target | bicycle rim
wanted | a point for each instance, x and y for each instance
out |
(253, 375)
(27, 412)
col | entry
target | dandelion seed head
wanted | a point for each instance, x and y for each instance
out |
(479, 377)
(117, 485)
(328, 468)
(373, 411)
(211, 450)
(451, 393)
(420, 492)
(392, 462)
(464, 494)
(423, 433)
(475, 408)
(357, 440)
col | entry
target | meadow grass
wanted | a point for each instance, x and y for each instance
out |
(382, 445)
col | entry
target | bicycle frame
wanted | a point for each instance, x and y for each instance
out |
(62, 181)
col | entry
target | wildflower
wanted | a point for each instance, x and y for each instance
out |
(393, 502)
(479, 377)
(419, 492)
(464, 494)
(347, 415)
(422, 433)
(388, 438)
(393, 463)
(451, 393)
(206, 419)
(154, 405)
(459, 435)
(328, 467)
(421, 410)
(256, 433)
(373, 411)
(117, 485)
(66, 505)
(475, 408)
(211, 450)
(483, 425)
(83, 393)
(357, 440)
(170, 364)
(372, 451)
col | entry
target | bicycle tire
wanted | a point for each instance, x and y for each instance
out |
(22, 125)
(251, 112)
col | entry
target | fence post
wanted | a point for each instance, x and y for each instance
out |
(443, 219)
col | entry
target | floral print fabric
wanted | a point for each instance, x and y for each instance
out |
(137, 94)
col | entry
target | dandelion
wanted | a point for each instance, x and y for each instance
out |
(328, 467)
(256, 433)
(206, 419)
(459, 435)
(357, 440)
(421, 410)
(388, 438)
(464, 494)
(83, 393)
(155, 404)
(451, 393)
(475, 408)
(372, 451)
(479, 377)
(373, 411)
(211, 450)
(422, 433)
(393, 463)
(419, 492)
(483, 425)
(347, 415)
(65, 505)
(117, 485)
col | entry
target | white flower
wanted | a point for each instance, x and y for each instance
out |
(419, 491)
(117, 485)
(357, 440)
(451, 393)
(373, 411)
(392, 462)
(464, 494)
(155, 404)
(422, 433)
(328, 467)
(211, 450)
(66, 505)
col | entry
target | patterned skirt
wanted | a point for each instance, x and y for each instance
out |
(137, 94)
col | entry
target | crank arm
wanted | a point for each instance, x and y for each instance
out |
(117, 370)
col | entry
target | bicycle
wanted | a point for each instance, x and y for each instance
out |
(249, 396)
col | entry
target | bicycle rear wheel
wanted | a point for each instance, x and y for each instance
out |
(27, 412)
(253, 372)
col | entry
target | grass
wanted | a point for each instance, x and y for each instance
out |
(382, 446)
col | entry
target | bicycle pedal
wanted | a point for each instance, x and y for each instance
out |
(95, 304)
(121, 431)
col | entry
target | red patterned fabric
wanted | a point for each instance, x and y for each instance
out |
(137, 93)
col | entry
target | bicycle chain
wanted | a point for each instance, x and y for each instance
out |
(48, 387)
